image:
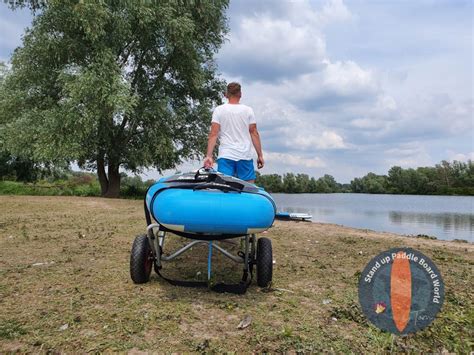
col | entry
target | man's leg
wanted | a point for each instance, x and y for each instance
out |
(226, 166)
(245, 170)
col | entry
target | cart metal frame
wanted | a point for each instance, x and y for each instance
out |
(248, 256)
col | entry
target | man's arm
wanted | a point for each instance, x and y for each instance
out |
(257, 144)
(211, 143)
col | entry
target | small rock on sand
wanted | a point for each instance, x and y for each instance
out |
(244, 323)
(40, 264)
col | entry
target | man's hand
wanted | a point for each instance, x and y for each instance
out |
(211, 143)
(208, 162)
(257, 144)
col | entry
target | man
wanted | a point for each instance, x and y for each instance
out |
(235, 126)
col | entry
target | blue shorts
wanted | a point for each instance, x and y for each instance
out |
(243, 169)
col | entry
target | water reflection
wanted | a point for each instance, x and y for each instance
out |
(447, 221)
(325, 211)
(445, 217)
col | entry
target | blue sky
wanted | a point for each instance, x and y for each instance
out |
(344, 88)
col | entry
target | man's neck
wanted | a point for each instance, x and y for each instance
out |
(234, 100)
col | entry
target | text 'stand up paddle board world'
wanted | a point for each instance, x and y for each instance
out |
(210, 203)
(400, 290)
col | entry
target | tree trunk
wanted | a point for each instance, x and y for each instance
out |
(104, 182)
(110, 181)
(113, 190)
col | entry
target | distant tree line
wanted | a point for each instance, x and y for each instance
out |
(446, 178)
(300, 183)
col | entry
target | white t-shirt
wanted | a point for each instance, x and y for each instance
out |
(234, 135)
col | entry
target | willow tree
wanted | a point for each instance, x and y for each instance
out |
(114, 84)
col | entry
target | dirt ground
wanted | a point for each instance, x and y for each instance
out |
(65, 286)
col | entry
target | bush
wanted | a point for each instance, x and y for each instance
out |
(44, 188)
(134, 187)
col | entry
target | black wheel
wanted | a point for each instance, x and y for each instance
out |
(141, 260)
(264, 262)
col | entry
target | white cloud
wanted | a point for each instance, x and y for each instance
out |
(409, 155)
(281, 41)
(427, 116)
(347, 78)
(285, 160)
(366, 123)
(335, 11)
(461, 156)
(386, 103)
(325, 140)
(331, 84)
(377, 119)
(303, 12)
(265, 48)
(458, 116)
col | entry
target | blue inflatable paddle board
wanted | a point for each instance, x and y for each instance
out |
(210, 203)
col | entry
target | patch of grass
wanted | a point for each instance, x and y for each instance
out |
(11, 329)
(45, 188)
(287, 332)
(453, 326)
(24, 233)
(350, 312)
(83, 184)
(425, 236)
(382, 341)
(460, 240)
(348, 241)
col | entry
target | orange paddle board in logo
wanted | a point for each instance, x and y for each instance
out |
(400, 290)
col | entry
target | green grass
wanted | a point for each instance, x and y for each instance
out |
(11, 329)
(44, 188)
(71, 187)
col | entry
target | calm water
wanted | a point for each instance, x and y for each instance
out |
(445, 217)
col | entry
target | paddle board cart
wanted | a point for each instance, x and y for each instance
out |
(206, 207)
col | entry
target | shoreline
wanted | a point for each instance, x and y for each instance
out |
(412, 236)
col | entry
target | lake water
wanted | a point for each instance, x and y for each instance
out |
(445, 217)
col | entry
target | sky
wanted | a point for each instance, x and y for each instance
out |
(344, 87)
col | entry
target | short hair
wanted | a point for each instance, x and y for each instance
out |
(233, 89)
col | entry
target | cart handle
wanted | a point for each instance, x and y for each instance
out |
(199, 171)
